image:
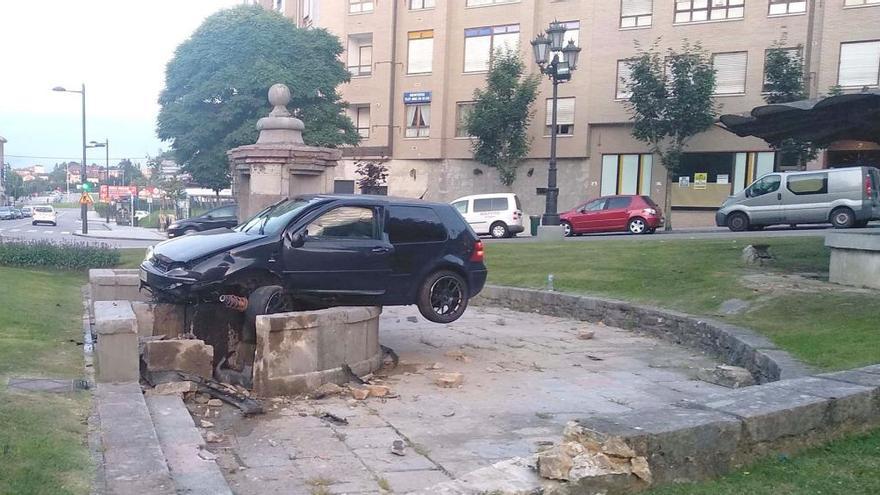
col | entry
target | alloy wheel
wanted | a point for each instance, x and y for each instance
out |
(447, 295)
(637, 226)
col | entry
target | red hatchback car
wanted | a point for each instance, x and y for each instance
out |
(634, 214)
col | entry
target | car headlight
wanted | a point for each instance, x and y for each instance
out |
(174, 225)
(149, 253)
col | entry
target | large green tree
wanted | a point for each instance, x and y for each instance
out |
(499, 120)
(216, 85)
(670, 102)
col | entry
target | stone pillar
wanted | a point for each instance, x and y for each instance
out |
(280, 165)
(117, 346)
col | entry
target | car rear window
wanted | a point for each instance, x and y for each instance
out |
(408, 224)
(618, 203)
(516, 201)
(649, 201)
(490, 204)
(43, 209)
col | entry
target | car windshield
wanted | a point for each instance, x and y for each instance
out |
(43, 209)
(274, 218)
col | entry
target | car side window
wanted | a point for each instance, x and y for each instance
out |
(409, 224)
(595, 205)
(345, 222)
(808, 184)
(461, 206)
(764, 185)
(224, 212)
(617, 203)
(484, 204)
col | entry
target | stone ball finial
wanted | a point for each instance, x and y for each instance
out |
(279, 95)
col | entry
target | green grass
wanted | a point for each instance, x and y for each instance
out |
(844, 467)
(131, 257)
(830, 330)
(43, 436)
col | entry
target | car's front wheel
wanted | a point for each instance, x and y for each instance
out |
(443, 296)
(566, 228)
(737, 222)
(262, 301)
(189, 230)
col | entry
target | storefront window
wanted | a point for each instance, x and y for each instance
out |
(705, 180)
(626, 174)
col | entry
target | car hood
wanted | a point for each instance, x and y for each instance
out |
(201, 244)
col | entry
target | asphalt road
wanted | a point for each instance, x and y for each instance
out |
(68, 223)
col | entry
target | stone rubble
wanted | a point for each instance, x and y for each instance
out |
(727, 376)
(449, 380)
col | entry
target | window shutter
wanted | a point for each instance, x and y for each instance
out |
(859, 63)
(636, 7)
(730, 72)
(476, 53)
(421, 48)
(564, 111)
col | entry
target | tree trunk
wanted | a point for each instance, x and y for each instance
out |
(667, 202)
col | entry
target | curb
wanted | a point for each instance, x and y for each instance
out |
(93, 236)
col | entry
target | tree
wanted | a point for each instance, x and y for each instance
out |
(373, 176)
(499, 120)
(784, 76)
(216, 85)
(130, 173)
(670, 102)
(14, 184)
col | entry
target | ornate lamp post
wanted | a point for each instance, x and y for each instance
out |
(558, 71)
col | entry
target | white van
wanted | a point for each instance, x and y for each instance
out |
(499, 215)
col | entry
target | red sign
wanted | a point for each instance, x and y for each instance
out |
(115, 192)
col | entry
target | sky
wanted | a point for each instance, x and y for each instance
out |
(117, 48)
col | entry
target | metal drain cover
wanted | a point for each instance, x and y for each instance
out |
(50, 385)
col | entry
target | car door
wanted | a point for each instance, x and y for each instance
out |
(587, 217)
(615, 214)
(764, 201)
(483, 212)
(341, 252)
(419, 238)
(805, 198)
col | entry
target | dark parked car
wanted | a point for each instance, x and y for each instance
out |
(223, 217)
(633, 214)
(328, 250)
(6, 213)
(17, 213)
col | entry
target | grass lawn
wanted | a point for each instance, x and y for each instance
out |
(43, 447)
(831, 330)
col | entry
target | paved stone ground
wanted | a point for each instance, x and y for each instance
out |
(525, 375)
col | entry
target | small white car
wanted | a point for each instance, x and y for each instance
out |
(44, 214)
(499, 215)
(141, 214)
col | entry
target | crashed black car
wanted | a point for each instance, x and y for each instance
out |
(327, 250)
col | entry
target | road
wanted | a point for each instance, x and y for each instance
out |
(68, 223)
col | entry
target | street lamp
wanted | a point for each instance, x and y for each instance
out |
(84, 208)
(558, 71)
(106, 146)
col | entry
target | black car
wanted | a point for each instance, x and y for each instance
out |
(328, 250)
(223, 217)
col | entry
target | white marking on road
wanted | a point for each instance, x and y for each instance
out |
(65, 233)
(15, 230)
(31, 231)
(48, 231)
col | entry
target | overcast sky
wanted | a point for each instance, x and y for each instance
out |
(118, 48)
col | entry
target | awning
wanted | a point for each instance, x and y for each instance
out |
(853, 116)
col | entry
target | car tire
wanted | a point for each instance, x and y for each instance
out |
(443, 296)
(843, 218)
(637, 225)
(189, 230)
(861, 224)
(33, 223)
(262, 301)
(499, 230)
(567, 230)
(738, 222)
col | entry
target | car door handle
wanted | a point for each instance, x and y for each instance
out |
(381, 249)
(779, 196)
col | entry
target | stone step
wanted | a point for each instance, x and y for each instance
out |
(181, 442)
(133, 460)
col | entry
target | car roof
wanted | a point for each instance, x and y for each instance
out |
(372, 199)
(487, 195)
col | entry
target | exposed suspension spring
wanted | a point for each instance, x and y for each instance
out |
(237, 303)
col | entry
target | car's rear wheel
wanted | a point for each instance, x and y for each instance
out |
(443, 297)
(843, 218)
(264, 300)
(499, 230)
(738, 222)
(566, 228)
(637, 225)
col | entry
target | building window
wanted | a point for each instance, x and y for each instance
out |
(360, 54)
(636, 13)
(708, 10)
(462, 110)
(477, 3)
(859, 3)
(730, 72)
(480, 43)
(622, 84)
(420, 52)
(358, 6)
(626, 174)
(279, 5)
(572, 33)
(792, 53)
(421, 4)
(418, 120)
(783, 7)
(859, 64)
(564, 116)
(360, 115)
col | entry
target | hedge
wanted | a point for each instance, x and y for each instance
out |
(69, 256)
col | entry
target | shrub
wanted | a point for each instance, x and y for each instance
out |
(68, 256)
(101, 209)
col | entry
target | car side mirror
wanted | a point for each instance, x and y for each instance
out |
(297, 239)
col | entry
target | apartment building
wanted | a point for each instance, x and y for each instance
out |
(416, 63)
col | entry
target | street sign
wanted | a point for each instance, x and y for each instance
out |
(86, 199)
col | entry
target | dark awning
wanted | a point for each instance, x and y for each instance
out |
(822, 120)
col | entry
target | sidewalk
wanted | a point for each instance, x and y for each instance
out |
(101, 230)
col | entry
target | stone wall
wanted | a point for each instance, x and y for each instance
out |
(732, 344)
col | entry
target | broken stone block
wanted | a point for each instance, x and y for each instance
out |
(378, 390)
(215, 403)
(586, 334)
(757, 254)
(327, 390)
(360, 393)
(727, 376)
(192, 356)
(449, 380)
(173, 388)
(206, 424)
(212, 437)
(556, 462)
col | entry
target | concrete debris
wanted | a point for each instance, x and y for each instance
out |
(327, 390)
(207, 455)
(360, 393)
(272, 443)
(449, 380)
(215, 403)
(398, 447)
(458, 355)
(727, 376)
(212, 437)
(412, 319)
(201, 398)
(378, 390)
(435, 366)
(189, 355)
(206, 424)
(757, 254)
(172, 388)
(586, 334)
